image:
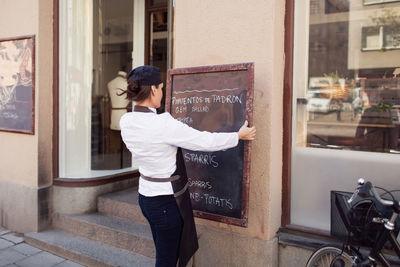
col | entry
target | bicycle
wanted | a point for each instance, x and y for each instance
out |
(366, 223)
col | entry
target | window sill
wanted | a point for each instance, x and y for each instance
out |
(95, 181)
(379, 49)
(380, 2)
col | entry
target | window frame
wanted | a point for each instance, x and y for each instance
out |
(103, 179)
(382, 39)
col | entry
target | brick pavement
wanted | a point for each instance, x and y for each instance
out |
(14, 252)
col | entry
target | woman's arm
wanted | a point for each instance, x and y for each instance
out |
(181, 135)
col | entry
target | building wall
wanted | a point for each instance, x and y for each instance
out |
(212, 32)
(25, 160)
(361, 16)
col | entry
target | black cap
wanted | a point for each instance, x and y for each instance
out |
(146, 75)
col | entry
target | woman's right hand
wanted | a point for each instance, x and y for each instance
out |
(247, 133)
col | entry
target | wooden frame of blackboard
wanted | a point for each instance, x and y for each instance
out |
(31, 128)
(249, 68)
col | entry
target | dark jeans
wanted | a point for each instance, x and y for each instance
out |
(166, 226)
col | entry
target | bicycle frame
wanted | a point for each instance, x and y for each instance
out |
(376, 251)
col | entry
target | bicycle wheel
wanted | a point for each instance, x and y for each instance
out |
(330, 256)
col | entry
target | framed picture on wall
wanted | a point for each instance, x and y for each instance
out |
(17, 84)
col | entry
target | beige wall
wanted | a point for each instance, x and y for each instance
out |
(22, 19)
(210, 32)
(25, 160)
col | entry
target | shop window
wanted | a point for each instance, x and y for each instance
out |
(352, 97)
(100, 42)
(346, 102)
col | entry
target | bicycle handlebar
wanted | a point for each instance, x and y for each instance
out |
(365, 189)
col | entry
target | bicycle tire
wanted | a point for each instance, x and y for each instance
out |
(324, 257)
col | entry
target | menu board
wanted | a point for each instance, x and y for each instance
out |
(215, 99)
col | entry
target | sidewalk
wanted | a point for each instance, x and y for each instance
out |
(14, 252)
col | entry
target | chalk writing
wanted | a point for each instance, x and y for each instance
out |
(217, 201)
(199, 158)
(212, 200)
(181, 102)
(186, 120)
(187, 100)
(200, 184)
(10, 115)
(196, 196)
(10, 107)
(231, 99)
(180, 109)
(200, 109)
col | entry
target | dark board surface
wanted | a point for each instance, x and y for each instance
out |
(17, 84)
(215, 99)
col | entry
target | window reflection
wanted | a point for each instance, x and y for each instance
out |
(352, 97)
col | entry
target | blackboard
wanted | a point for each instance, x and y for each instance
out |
(17, 83)
(215, 99)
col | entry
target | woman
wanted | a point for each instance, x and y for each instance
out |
(154, 140)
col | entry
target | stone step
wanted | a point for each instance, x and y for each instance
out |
(85, 251)
(122, 204)
(118, 232)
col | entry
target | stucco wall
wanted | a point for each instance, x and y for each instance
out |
(210, 32)
(19, 18)
(25, 160)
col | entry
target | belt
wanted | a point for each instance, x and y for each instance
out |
(163, 180)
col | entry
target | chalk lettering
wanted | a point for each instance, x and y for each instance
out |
(207, 100)
(229, 99)
(200, 109)
(10, 106)
(187, 100)
(199, 183)
(180, 109)
(195, 196)
(204, 159)
(186, 120)
(9, 115)
(216, 201)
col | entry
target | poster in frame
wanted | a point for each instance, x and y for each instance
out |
(17, 84)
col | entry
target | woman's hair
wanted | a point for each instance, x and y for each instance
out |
(136, 92)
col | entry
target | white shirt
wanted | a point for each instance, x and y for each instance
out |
(153, 140)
